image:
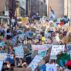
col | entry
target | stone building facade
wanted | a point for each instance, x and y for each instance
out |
(38, 6)
(67, 8)
(61, 7)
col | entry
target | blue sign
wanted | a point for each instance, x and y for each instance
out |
(19, 52)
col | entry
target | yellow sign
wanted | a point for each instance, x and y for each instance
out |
(43, 39)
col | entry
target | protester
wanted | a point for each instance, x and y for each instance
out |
(36, 33)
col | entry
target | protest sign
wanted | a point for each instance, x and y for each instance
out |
(51, 67)
(3, 56)
(41, 47)
(35, 62)
(69, 47)
(42, 53)
(19, 52)
(56, 49)
(1, 64)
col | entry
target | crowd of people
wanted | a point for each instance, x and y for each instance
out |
(37, 32)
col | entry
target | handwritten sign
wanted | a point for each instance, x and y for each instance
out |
(56, 49)
(35, 62)
(2, 44)
(51, 67)
(40, 47)
(19, 52)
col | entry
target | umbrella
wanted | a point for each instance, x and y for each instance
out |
(68, 64)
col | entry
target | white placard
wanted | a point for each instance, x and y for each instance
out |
(51, 67)
(19, 52)
(56, 49)
(35, 62)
